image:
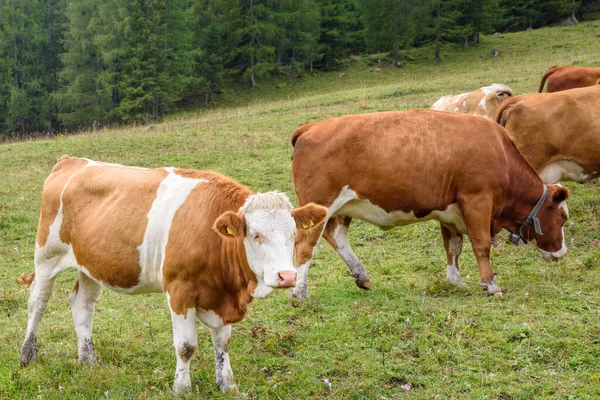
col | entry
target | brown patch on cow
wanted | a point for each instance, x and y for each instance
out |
(309, 224)
(106, 224)
(569, 77)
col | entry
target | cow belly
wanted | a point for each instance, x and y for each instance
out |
(363, 209)
(563, 170)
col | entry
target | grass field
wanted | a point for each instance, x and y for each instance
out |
(541, 340)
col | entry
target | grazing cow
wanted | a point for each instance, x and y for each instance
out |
(206, 241)
(484, 101)
(569, 77)
(398, 168)
(558, 133)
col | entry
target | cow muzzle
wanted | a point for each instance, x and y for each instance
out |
(286, 279)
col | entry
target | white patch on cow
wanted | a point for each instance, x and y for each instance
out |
(269, 215)
(223, 372)
(549, 255)
(483, 104)
(349, 204)
(209, 318)
(92, 163)
(185, 341)
(171, 194)
(301, 289)
(492, 287)
(357, 269)
(441, 104)
(452, 272)
(495, 88)
(564, 169)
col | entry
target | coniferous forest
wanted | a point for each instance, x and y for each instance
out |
(67, 65)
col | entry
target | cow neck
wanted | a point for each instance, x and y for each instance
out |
(239, 279)
(525, 190)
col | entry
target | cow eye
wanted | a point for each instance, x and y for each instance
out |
(257, 237)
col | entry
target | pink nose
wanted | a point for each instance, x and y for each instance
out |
(286, 279)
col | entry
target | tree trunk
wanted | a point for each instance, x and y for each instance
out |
(396, 53)
(477, 36)
(252, 81)
(466, 44)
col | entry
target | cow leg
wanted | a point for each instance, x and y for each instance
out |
(478, 213)
(453, 246)
(39, 295)
(220, 339)
(82, 301)
(336, 233)
(185, 341)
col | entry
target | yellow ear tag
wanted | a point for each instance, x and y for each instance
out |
(312, 223)
(305, 226)
(229, 230)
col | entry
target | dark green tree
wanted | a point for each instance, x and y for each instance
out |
(341, 31)
(391, 24)
(31, 33)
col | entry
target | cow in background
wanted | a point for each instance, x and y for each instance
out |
(569, 77)
(397, 168)
(558, 133)
(484, 101)
(210, 244)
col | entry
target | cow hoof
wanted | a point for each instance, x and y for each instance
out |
(492, 288)
(366, 285)
(300, 292)
(29, 352)
(299, 296)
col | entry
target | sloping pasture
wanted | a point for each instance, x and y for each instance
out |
(540, 340)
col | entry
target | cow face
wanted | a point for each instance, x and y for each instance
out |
(552, 216)
(267, 225)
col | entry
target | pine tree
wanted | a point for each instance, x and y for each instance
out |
(86, 93)
(391, 24)
(31, 33)
(252, 31)
(296, 35)
(341, 30)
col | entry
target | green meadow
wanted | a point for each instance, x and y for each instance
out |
(541, 340)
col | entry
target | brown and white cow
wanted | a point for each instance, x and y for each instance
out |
(398, 168)
(569, 77)
(484, 101)
(206, 241)
(558, 133)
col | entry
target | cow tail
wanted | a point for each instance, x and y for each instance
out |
(26, 279)
(300, 130)
(548, 72)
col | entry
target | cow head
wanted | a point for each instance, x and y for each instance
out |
(552, 216)
(267, 224)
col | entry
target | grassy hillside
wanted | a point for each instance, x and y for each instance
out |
(541, 340)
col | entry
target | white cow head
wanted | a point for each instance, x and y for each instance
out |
(267, 224)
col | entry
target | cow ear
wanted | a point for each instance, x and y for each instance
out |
(560, 194)
(230, 225)
(309, 216)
